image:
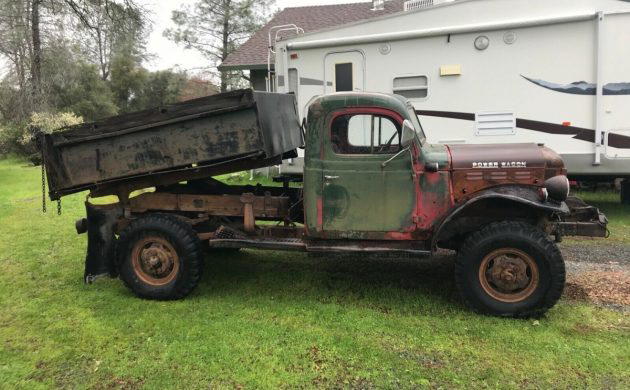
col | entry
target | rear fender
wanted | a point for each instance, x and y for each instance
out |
(101, 223)
(519, 196)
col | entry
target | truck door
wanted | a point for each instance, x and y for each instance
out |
(344, 71)
(359, 195)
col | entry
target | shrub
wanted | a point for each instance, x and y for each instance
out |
(21, 138)
(10, 137)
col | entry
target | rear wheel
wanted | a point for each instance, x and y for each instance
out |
(510, 269)
(160, 257)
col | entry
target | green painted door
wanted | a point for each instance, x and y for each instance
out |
(359, 194)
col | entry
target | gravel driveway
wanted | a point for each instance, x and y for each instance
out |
(599, 272)
(595, 255)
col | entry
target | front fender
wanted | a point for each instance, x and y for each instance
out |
(521, 195)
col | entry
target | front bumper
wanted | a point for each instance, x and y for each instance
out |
(582, 220)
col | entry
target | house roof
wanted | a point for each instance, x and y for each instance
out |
(253, 53)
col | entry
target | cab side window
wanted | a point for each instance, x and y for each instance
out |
(365, 134)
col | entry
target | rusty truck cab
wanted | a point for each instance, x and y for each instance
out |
(366, 181)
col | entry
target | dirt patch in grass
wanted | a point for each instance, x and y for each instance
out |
(428, 360)
(334, 373)
(600, 287)
(121, 384)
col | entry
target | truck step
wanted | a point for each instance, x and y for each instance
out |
(321, 246)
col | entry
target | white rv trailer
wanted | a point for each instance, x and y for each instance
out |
(488, 71)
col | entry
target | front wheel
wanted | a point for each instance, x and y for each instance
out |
(510, 269)
(160, 257)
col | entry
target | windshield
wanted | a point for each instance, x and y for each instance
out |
(416, 123)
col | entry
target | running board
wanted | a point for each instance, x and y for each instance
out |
(272, 244)
(321, 246)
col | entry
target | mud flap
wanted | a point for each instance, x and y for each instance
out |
(100, 259)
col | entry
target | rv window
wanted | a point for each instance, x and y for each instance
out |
(343, 77)
(412, 87)
(293, 81)
(365, 134)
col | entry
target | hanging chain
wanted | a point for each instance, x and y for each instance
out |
(43, 162)
(58, 206)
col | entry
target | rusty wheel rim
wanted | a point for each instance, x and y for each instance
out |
(509, 275)
(155, 261)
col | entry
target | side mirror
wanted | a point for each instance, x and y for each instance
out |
(408, 133)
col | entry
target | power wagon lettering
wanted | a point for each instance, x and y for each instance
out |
(503, 164)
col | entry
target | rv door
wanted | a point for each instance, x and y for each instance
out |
(344, 71)
(613, 114)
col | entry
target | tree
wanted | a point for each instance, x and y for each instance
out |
(27, 27)
(162, 87)
(80, 9)
(216, 28)
(84, 93)
(108, 26)
(135, 88)
(80, 57)
(127, 78)
(15, 48)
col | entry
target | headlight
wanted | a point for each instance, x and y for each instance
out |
(558, 188)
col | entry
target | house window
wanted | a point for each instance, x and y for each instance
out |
(343, 77)
(365, 134)
(293, 81)
(412, 87)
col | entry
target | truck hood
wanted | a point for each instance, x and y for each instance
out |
(499, 156)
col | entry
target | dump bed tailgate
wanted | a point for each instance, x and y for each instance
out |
(202, 135)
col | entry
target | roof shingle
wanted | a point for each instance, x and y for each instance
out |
(253, 53)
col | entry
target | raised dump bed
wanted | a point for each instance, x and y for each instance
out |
(213, 135)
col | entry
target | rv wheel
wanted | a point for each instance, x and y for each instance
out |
(510, 269)
(160, 257)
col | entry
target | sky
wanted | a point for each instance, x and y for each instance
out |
(167, 54)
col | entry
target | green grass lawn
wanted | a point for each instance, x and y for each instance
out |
(273, 320)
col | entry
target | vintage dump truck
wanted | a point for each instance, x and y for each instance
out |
(371, 184)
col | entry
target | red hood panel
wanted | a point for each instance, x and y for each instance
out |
(497, 156)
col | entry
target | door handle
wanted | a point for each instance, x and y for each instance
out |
(327, 177)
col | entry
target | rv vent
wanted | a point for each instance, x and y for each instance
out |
(419, 4)
(495, 123)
